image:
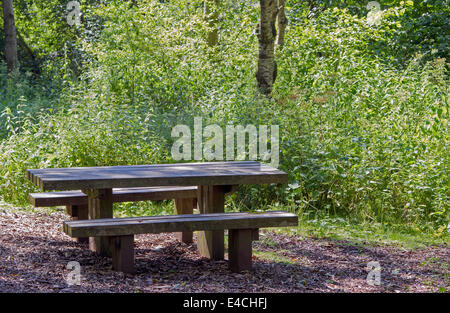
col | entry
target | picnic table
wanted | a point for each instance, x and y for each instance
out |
(214, 180)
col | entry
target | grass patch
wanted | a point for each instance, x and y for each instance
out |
(365, 233)
(146, 208)
(273, 256)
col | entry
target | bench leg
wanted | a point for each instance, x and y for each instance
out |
(185, 206)
(100, 206)
(123, 253)
(211, 199)
(255, 234)
(79, 212)
(240, 249)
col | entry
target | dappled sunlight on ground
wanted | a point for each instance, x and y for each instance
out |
(34, 254)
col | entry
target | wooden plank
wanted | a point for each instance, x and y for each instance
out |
(255, 234)
(240, 250)
(185, 206)
(100, 206)
(119, 168)
(211, 199)
(77, 197)
(178, 174)
(167, 218)
(154, 193)
(79, 212)
(71, 211)
(178, 223)
(44, 199)
(123, 253)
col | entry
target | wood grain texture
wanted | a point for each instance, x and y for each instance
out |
(211, 199)
(255, 234)
(177, 174)
(79, 212)
(100, 207)
(77, 197)
(185, 206)
(123, 253)
(177, 223)
(240, 250)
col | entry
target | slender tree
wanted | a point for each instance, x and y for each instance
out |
(12, 62)
(267, 68)
(282, 23)
(211, 13)
(28, 52)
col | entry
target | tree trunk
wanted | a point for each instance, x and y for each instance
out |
(282, 23)
(10, 36)
(267, 68)
(211, 13)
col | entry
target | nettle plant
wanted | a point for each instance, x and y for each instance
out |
(364, 138)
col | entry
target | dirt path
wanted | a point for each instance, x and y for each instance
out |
(34, 254)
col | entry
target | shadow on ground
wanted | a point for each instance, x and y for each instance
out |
(34, 254)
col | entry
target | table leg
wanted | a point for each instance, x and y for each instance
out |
(100, 206)
(211, 199)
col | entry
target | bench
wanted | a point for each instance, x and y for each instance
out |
(242, 229)
(76, 202)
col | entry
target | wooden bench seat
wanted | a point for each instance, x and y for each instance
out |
(76, 202)
(242, 229)
(60, 198)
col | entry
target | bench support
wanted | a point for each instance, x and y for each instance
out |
(79, 212)
(240, 249)
(100, 204)
(123, 253)
(242, 230)
(185, 206)
(255, 234)
(211, 199)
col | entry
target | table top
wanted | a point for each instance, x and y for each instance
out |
(175, 174)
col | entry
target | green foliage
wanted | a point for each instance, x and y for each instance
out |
(21, 100)
(424, 29)
(55, 44)
(361, 136)
(410, 27)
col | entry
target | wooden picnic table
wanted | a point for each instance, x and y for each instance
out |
(213, 179)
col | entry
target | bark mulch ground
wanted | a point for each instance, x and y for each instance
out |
(34, 254)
